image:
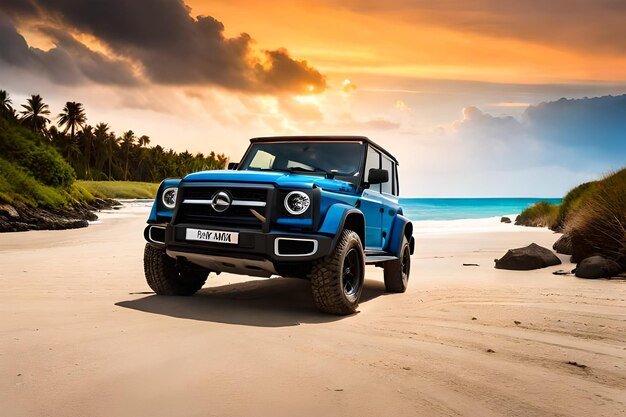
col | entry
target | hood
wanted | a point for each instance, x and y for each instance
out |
(280, 179)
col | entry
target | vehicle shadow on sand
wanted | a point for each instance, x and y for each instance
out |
(275, 302)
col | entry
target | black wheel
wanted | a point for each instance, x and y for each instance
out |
(397, 272)
(337, 279)
(167, 278)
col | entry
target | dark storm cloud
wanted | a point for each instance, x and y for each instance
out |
(68, 62)
(598, 122)
(175, 48)
(590, 25)
(569, 132)
(19, 8)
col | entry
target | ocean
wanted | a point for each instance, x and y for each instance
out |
(466, 208)
(419, 209)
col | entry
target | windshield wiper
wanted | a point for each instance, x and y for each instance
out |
(300, 169)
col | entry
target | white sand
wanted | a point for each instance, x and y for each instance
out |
(80, 337)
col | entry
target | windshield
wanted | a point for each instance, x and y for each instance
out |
(310, 158)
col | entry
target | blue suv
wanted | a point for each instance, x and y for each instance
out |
(318, 208)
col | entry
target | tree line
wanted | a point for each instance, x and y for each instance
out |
(96, 152)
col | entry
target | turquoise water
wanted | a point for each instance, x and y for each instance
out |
(466, 208)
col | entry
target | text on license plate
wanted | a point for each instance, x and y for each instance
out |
(217, 236)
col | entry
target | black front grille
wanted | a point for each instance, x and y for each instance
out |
(234, 216)
(205, 193)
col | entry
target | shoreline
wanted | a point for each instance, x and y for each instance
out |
(472, 225)
(102, 209)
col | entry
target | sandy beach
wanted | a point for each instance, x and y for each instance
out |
(81, 335)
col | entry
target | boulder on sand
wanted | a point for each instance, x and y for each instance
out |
(563, 245)
(505, 220)
(532, 256)
(597, 267)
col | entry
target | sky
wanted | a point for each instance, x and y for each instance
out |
(483, 98)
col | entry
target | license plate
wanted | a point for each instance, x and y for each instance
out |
(217, 236)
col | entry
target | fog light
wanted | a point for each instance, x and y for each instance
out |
(297, 202)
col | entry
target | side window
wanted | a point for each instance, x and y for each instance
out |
(372, 162)
(388, 165)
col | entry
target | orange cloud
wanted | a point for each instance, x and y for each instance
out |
(488, 40)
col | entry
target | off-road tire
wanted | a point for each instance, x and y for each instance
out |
(397, 272)
(166, 278)
(327, 276)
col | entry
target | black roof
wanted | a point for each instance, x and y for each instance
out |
(339, 138)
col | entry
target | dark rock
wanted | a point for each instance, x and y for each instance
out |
(532, 256)
(576, 364)
(563, 245)
(581, 248)
(597, 267)
(505, 220)
(19, 217)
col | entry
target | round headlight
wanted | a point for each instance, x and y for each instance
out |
(169, 197)
(297, 202)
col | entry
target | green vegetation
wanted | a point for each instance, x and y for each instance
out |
(17, 184)
(570, 204)
(97, 153)
(39, 163)
(598, 226)
(541, 214)
(554, 216)
(32, 171)
(120, 189)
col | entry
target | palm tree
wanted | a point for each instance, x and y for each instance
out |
(100, 145)
(5, 103)
(34, 114)
(73, 116)
(156, 166)
(144, 141)
(87, 138)
(128, 138)
(112, 144)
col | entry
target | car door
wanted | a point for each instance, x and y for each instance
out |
(389, 199)
(371, 205)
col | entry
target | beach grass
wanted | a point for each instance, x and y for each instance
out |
(593, 215)
(598, 226)
(120, 189)
(541, 214)
(571, 202)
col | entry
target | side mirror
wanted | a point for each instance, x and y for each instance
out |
(232, 166)
(378, 176)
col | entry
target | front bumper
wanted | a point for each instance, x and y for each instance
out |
(257, 253)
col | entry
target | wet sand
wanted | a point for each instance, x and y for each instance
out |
(81, 335)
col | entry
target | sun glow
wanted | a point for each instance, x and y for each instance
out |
(308, 99)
